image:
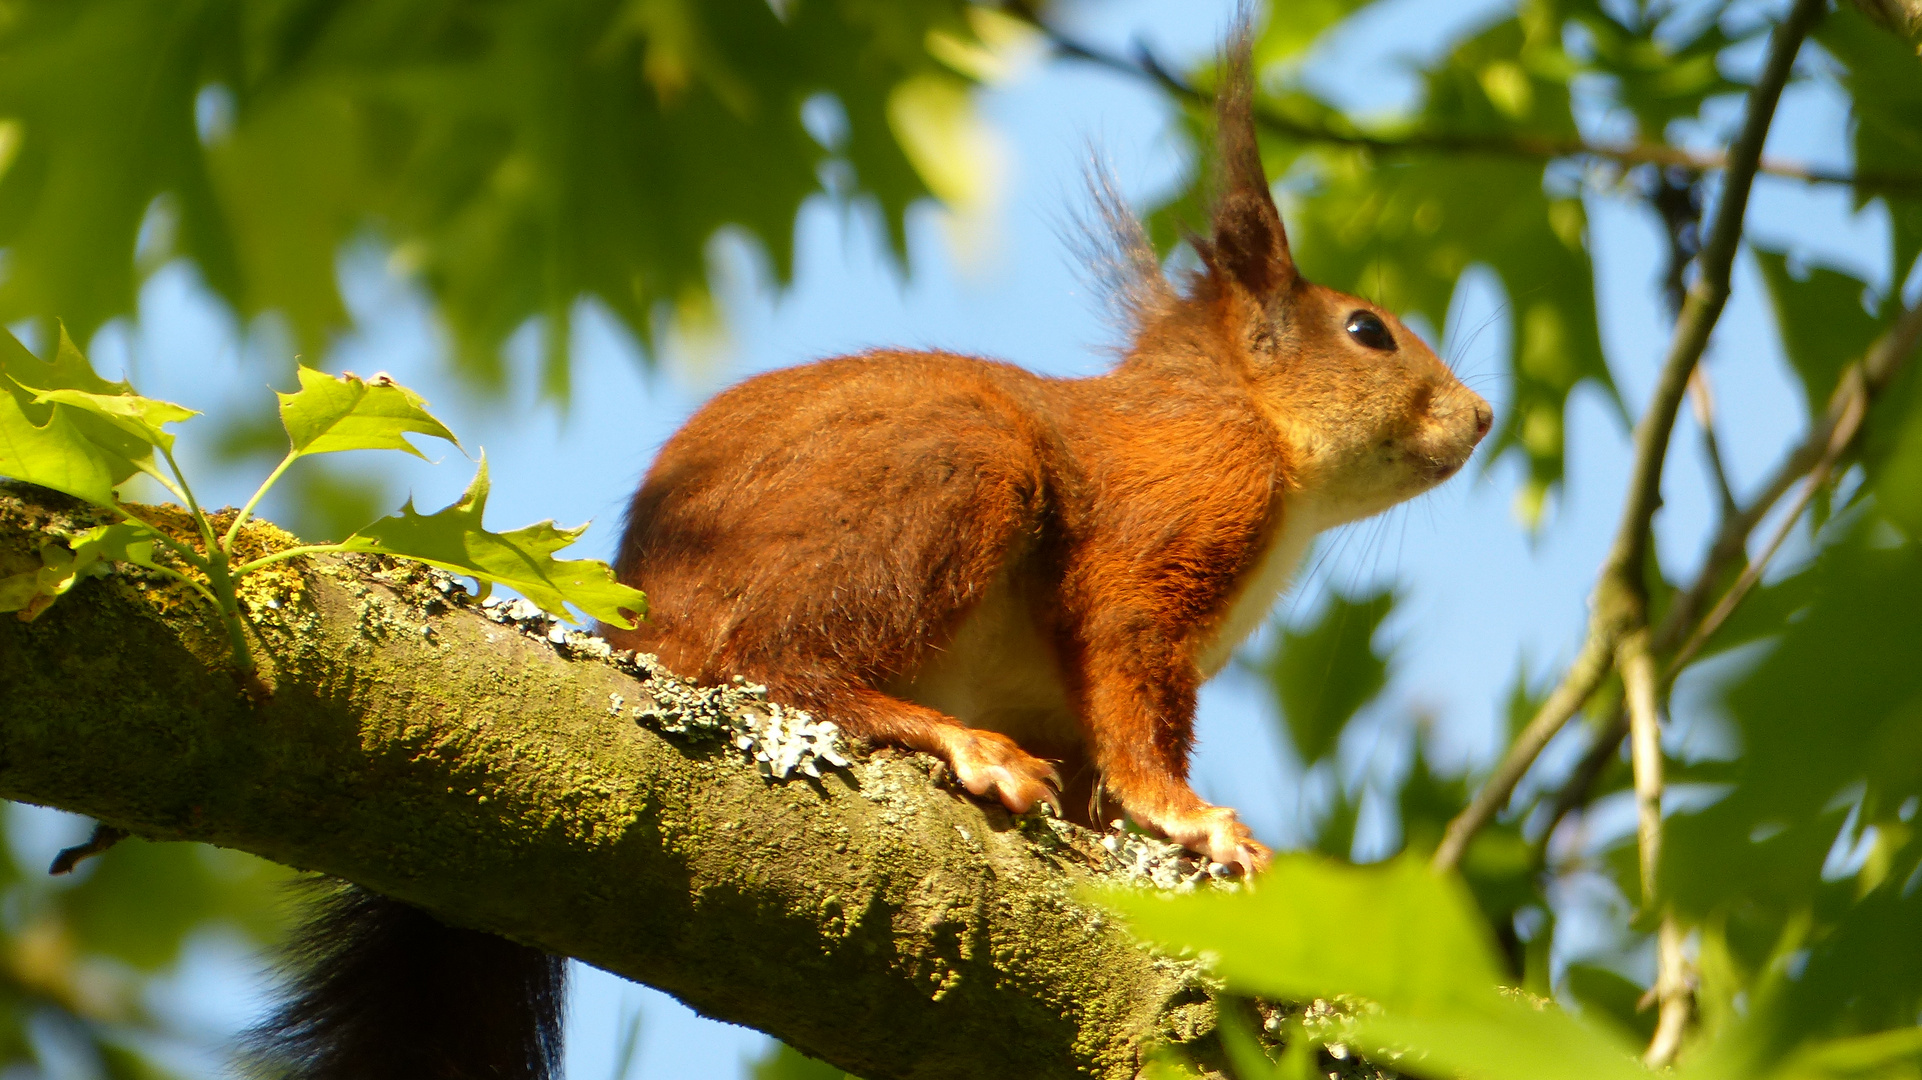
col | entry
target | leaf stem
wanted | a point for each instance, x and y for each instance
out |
(186, 553)
(200, 518)
(282, 556)
(233, 530)
(197, 586)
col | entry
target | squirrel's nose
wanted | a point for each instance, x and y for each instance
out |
(1484, 418)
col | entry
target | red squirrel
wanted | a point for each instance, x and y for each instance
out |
(1026, 577)
(1029, 577)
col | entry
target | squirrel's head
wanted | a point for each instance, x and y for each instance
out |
(1366, 413)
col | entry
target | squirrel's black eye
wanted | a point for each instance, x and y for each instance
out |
(1367, 328)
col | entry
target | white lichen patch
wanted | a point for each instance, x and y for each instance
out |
(779, 740)
(1144, 860)
(783, 741)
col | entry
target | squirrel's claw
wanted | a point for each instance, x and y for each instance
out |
(989, 764)
(1216, 832)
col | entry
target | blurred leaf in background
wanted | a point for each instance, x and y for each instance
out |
(80, 954)
(513, 157)
(1322, 674)
(783, 1062)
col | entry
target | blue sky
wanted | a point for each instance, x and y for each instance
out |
(1482, 597)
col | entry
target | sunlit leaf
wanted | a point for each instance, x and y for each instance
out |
(64, 427)
(1396, 934)
(515, 158)
(1403, 938)
(53, 454)
(523, 560)
(143, 418)
(346, 412)
(85, 554)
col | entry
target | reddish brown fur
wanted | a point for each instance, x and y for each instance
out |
(869, 534)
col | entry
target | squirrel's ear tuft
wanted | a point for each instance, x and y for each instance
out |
(1249, 245)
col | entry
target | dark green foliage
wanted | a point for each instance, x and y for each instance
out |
(79, 948)
(1885, 97)
(783, 1062)
(1322, 674)
(1824, 322)
(517, 156)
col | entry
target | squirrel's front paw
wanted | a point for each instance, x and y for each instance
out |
(1216, 832)
(988, 763)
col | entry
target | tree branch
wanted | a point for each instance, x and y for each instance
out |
(485, 774)
(1618, 606)
(1642, 697)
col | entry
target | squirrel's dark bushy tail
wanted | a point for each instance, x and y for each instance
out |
(381, 990)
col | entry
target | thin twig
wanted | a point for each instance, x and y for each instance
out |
(1855, 392)
(1619, 603)
(1580, 681)
(1703, 402)
(1642, 697)
(1840, 438)
(1581, 782)
(1531, 147)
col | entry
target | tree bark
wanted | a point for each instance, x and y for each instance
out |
(870, 918)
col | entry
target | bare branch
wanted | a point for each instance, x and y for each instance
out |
(1859, 387)
(1580, 681)
(1619, 603)
(1641, 695)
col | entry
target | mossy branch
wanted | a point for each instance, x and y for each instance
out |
(870, 918)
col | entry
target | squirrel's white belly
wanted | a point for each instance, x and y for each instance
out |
(1259, 590)
(998, 673)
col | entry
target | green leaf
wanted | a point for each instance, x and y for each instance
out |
(139, 417)
(1821, 318)
(1883, 79)
(86, 555)
(1662, 67)
(1403, 938)
(64, 427)
(53, 454)
(1611, 996)
(453, 539)
(1294, 28)
(1395, 933)
(332, 413)
(1324, 674)
(783, 1062)
(142, 900)
(520, 157)
(1830, 721)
